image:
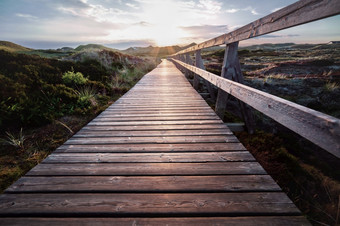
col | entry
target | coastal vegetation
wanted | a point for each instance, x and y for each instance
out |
(45, 100)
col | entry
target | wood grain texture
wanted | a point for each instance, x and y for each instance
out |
(149, 133)
(197, 221)
(121, 148)
(155, 127)
(154, 140)
(239, 156)
(125, 169)
(167, 204)
(154, 184)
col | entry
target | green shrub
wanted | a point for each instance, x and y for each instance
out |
(86, 97)
(72, 78)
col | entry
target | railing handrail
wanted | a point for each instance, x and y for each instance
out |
(284, 18)
(320, 128)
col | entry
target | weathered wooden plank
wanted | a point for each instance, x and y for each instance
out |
(198, 204)
(149, 157)
(125, 169)
(301, 12)
(185, 147)
(184, 122)
(197, 221)
(157, 99)
(126, 115)
(156, 133)
(159, 105)
(155, 127)
(154, 140)
(157, 118)
(321, 129)
(159, 112)
(229, 183)
(160, 108)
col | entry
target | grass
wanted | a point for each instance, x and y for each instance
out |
(86, 92)
(15, 141)
(331, 86)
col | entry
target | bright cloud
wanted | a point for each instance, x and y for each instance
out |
(131, 5)
(232, 10)
(28, 16)
(249, 9)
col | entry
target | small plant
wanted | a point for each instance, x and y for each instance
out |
(331, 86)
(12, 140)
(86, 96)
(72, 78)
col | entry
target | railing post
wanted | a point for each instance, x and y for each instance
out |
(188, 60)
(231, 69)
(199, 64)
(180, 58)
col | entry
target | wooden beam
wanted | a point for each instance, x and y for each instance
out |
(199, 64)
(188, 60)
(231, 69)
(321, 129)
(301, 12)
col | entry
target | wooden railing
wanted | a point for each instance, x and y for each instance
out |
(321, 129)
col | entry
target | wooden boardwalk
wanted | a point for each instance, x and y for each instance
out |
(159, 155)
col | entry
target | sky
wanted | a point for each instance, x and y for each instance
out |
(44, 24)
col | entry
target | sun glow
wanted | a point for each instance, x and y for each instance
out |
(164, 20)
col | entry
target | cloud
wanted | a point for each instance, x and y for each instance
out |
(252, 10)
(232, 10)
(28, 16)
(131, 5)
(206, 31)
(210, 6)
(247, 9)
(97, 12)
(143, 24)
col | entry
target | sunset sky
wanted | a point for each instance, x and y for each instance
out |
(122, 24)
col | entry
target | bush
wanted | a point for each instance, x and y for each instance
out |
(72, 78)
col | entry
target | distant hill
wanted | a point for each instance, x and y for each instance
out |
(12, 47)
(155, 51)
(65, 49)
(67, 52)
(93, 46)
